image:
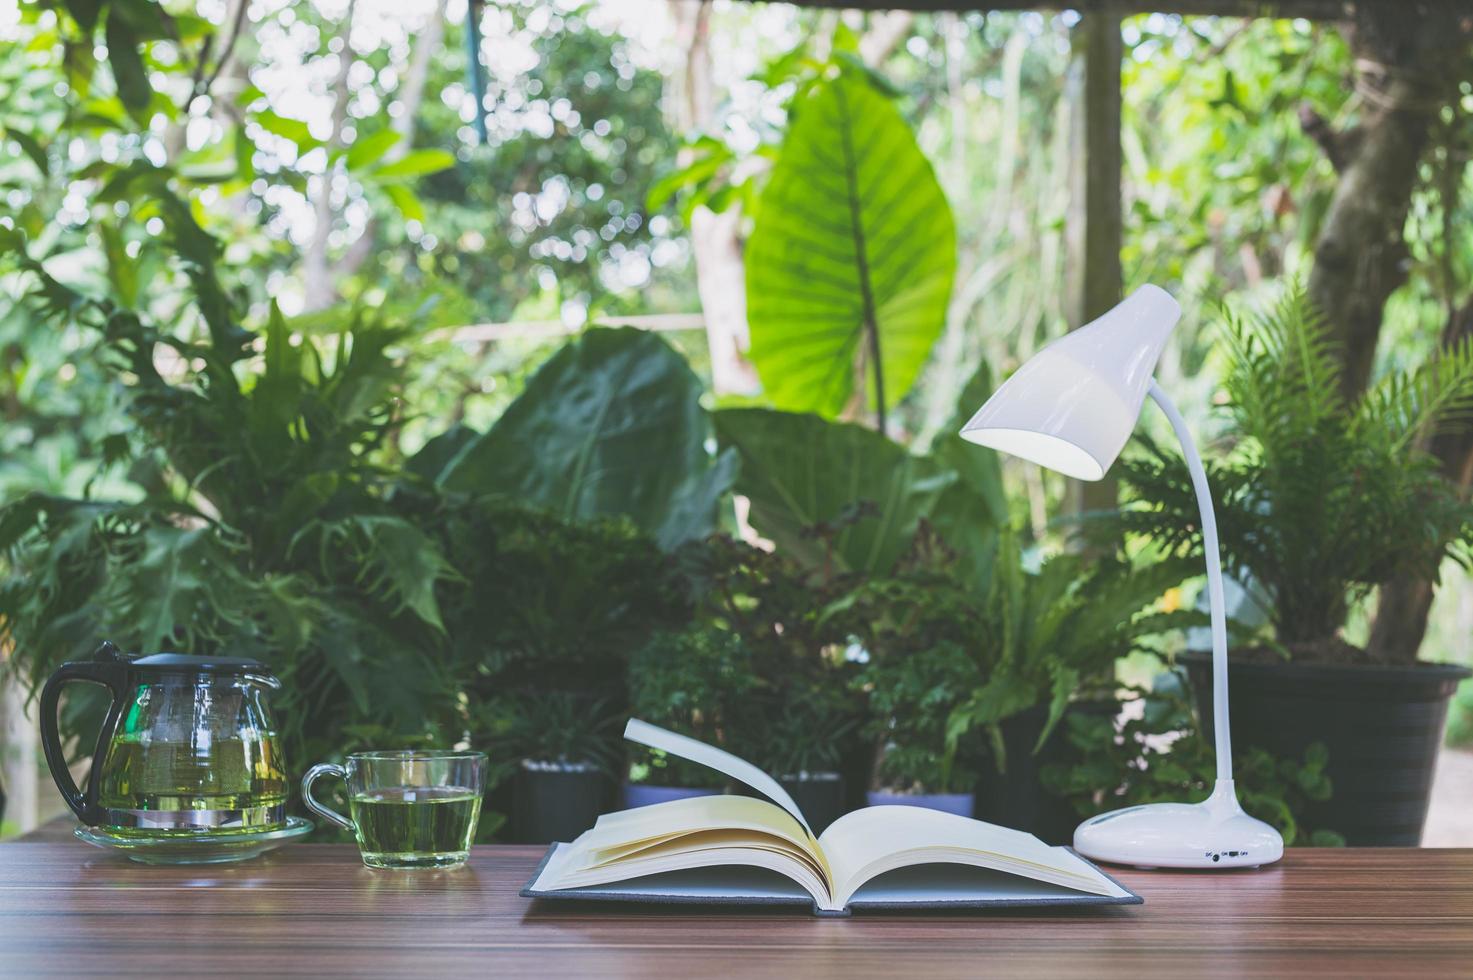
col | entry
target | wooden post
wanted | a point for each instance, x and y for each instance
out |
(18, 752)
(1093, 226)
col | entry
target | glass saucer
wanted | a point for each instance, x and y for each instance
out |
(200, 848)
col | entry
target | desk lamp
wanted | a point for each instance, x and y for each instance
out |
(1070, 408)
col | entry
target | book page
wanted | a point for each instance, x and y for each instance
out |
(678, 831)
(869, 842)
(708, 874)
(626, 832)
(951, 884)
(710, 756)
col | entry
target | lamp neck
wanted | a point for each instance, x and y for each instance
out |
(1217, 604)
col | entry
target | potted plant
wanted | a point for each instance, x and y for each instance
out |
(1054, 636)
(684, 681)
(541, 599)
(1154, 752)
(911, 695)
(918, 635)
(542, 603)
(798, 732)
(563, 744)
(1321, 500)
(797, 717)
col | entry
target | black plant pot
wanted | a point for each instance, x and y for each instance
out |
(1016, 797)
(557, 801)
(820, 795)
(1382, 726)
(857, 766)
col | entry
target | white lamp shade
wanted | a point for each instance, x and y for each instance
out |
(1072, 405)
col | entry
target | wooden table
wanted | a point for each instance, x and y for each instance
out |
(67, 909)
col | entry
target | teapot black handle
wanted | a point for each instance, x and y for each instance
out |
(113, 674)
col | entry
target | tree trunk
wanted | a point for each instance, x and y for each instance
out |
(715, 238)
(1409, 57)
(1093, 223)
(1405, 601)
(886, 33)
(319, 286)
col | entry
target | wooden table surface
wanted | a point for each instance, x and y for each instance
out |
(67, 909)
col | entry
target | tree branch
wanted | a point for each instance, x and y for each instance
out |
(1339, 147)
(229, 50)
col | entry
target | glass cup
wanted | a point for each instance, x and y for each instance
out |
(411, 809)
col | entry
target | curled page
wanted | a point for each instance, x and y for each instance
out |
(710, 756)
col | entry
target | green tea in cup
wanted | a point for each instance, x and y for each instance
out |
(404, 827)
(410, 809)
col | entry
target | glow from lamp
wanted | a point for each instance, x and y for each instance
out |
(1071, 408)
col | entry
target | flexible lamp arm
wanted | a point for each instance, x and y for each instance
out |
(1217, 604)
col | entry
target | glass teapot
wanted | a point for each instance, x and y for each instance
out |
(188, 745)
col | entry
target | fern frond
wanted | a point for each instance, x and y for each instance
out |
(392, 558)
(1282, 368)
(1314, 359)
(1438, 396)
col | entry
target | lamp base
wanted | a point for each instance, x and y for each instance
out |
(1215, 833)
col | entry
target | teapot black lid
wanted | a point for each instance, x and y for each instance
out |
(177, 662)
(203, 665)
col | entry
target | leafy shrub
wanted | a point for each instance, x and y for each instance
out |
(559, 727)
(1051, 629)
(1158, 755)
(925, 647)
(545, 604)
(911, 696)
(269, 532)
(1319, 500)
(691, 682)
(800, 708)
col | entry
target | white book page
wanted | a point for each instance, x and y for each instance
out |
(871, 841)
(955, 884)
(708, 755)
(565, 873)
(627, 832)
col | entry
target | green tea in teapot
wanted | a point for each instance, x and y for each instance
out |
(189, 746)
(241, 781)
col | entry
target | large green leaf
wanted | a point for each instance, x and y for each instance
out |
(369, 150)
(127, 66)
(852, 234)
(416, 163)
(287, 128)
(611, 424)
(799, 470)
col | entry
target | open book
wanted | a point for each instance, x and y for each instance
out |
(740, 850)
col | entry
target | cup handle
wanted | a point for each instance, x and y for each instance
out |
(324, 769)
